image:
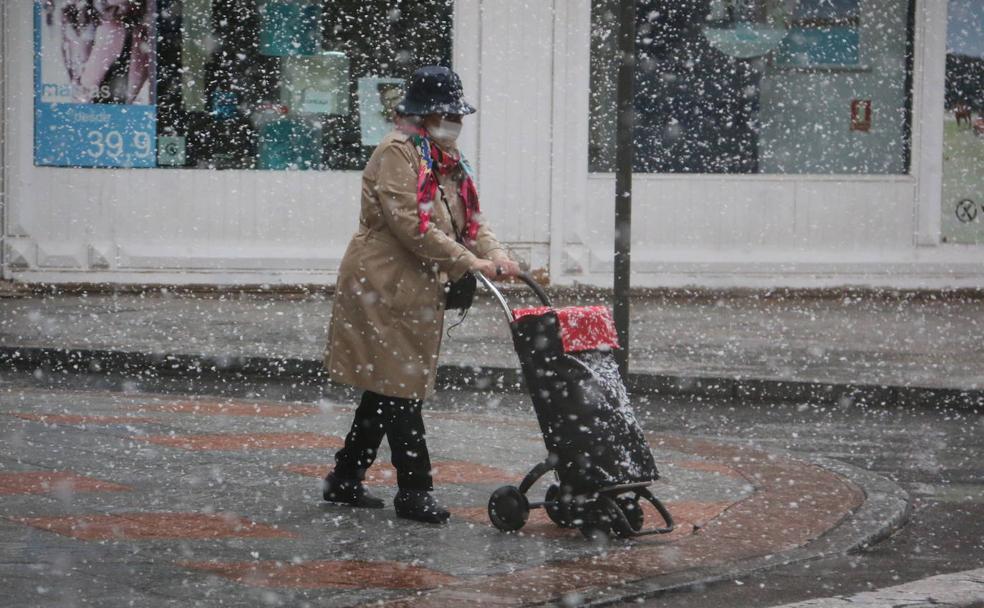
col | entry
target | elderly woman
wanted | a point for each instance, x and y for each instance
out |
(419, 227)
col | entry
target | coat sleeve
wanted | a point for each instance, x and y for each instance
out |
(396, 188)
(487, 246)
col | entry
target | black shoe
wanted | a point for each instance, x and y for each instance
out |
(349, 492)
(419, 505)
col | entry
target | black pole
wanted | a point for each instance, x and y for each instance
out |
(623, 176)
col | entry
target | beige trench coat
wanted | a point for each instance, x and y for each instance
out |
(388, 314)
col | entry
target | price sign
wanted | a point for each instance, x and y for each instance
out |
(93, 135)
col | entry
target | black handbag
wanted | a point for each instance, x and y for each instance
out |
(458, 294)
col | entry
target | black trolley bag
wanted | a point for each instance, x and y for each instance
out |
(595, 447)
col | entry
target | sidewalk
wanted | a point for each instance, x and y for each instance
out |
(885, 348)
(222, 495)
(156, 500)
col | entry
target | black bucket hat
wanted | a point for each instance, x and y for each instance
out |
(434, 89)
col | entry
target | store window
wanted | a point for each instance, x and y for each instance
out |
(963, 125)
(226, 84)
(759, 86)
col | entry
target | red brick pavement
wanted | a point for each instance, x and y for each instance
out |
(73, 419)
(686, 514)
(250, 441)
(793, 504)
(443, 471)
(229, 408)
(154, 526)
(352, 574)
(44, 482)
(704, 466)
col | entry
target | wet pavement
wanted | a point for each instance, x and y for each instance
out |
(122, 482)
(121, 495)
(727, 343)
(933, 453)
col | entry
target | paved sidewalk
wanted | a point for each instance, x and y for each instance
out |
(153, 500)
(894, 347)
(957, 590)
(158, 500)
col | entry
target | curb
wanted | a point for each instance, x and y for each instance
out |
(744, 390)
(886, 508)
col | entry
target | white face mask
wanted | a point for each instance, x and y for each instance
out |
(445, 132)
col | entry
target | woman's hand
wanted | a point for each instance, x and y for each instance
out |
(508, 267)
(497, 270)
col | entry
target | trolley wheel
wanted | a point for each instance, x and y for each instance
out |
(558, 510)
(508, 509)
(603, 519)
(632, 511)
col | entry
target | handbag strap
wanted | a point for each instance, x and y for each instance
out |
(457, 236)
(454, 224)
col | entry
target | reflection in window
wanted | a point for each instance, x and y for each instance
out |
(758, 86)
(287, 84)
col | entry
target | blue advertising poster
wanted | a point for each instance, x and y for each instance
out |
(824, 33)
(94, 74)
(827, 9)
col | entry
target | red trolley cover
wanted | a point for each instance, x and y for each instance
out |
(581, 327)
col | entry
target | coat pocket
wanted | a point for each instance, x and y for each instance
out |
(416, 290)
(400, 280)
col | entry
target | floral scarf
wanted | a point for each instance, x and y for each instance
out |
(433, 160)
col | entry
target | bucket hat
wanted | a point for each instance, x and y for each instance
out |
(434, 89)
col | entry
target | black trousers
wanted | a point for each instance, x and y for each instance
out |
(401, 421)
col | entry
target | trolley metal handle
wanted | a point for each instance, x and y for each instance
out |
(536, 287)
(524, 277)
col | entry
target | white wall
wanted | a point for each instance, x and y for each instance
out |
(515, 114)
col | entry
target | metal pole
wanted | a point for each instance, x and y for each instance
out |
(623, 176)
(4, 203)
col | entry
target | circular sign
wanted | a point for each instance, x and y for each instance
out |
(966, 211)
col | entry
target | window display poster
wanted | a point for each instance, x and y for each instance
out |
(378, 97)
(832, 46)
(827, 9)
(94, 74)
(823, 33)
(317, 84)
(290, 28)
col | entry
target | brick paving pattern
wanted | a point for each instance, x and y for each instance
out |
(154, 526)
(350, 574)
(77, 420)
(226, 494)
(225, 408)
(444, 472)
(44, 482)
(255, 441)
